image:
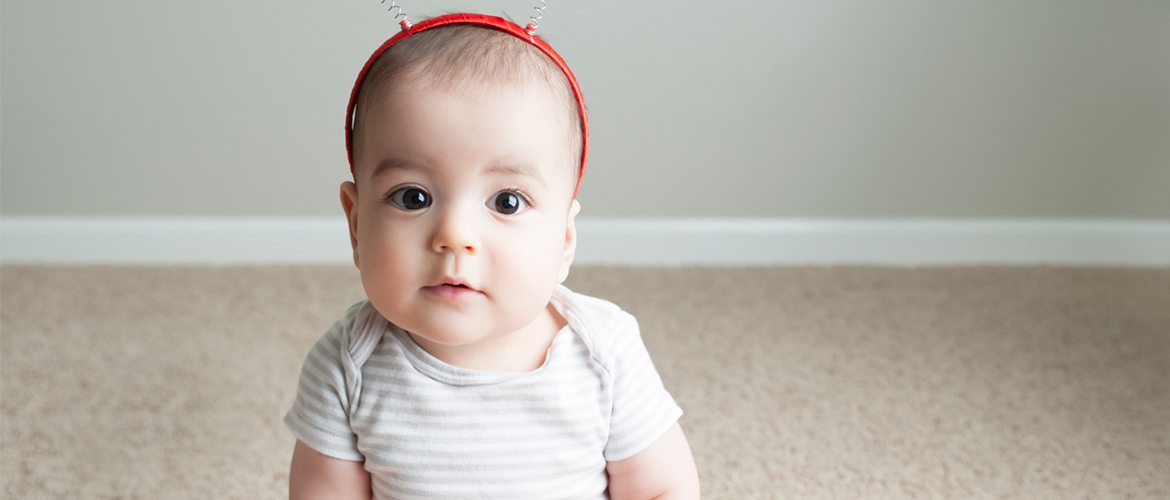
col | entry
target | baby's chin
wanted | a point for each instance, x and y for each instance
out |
(452, 337)
(464, 330)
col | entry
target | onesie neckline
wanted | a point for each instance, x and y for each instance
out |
(440, 371)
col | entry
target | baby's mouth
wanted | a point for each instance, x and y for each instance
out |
(453, 291)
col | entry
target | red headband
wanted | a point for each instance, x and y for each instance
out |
(478, 20)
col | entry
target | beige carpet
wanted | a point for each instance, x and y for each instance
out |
(809, 383)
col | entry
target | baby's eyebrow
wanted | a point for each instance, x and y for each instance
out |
(390, 164)
(521, 169)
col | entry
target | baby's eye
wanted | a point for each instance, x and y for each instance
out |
(410, 198)
(508, 202)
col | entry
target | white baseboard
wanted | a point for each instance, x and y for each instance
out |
(640, 241)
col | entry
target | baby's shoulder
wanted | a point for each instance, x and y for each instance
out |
(354, 336)
(602, 325)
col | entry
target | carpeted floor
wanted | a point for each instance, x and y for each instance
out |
(809, 383)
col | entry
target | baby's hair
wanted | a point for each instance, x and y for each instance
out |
(463, 57)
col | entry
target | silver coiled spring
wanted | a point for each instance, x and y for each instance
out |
(397, 10)
(531, 28)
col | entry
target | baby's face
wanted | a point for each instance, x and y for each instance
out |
(462, 214)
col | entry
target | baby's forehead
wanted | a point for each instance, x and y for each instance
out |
(507, 130)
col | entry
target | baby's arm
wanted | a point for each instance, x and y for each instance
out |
(316, 476)
(665, 470)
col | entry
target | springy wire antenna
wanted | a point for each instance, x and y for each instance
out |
(397, 10)
(531, 28)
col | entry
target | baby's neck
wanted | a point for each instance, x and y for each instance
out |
(521, 351)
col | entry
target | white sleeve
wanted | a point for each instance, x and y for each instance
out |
(320, 414)
(642, 409)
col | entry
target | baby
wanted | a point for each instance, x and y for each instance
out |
(470, 371)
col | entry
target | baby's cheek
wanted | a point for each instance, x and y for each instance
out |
(385, 265)
(515, 255)
(544, 260)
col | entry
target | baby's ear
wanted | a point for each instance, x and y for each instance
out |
(570, 241)
(349, 200)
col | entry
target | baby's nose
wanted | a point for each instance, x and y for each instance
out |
(455, 233)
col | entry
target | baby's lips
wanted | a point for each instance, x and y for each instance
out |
(454, 293)
(455, 281)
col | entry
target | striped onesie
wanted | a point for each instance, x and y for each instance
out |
(426, 429)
